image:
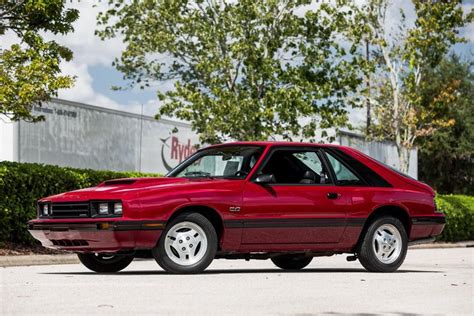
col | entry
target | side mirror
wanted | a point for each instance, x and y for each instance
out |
(265, 178)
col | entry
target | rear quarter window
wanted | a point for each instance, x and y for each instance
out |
(370, 177)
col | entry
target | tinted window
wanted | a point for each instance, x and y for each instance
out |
(296, 167)
(344, 176)
(369, 176)
(311, 160)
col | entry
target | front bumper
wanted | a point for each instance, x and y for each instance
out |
(96, 236)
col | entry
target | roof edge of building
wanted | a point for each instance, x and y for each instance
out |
(118, 112)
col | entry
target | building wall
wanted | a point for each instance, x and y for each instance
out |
(84, 136)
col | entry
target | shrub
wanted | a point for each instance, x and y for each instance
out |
(459, 211)
(21, 184)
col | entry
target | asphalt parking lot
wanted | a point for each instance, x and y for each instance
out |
(432, 281)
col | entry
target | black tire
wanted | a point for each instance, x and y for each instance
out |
(366, 252)
(167, 263)
(104, 263)
(291, 262)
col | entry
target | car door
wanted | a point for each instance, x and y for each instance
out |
(293, 210)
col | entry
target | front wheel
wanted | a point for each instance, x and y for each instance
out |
(103, 262)
(291, 262)
(384, 246)
(187, 245)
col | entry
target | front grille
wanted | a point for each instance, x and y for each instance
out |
(70, 210)
(69, 242)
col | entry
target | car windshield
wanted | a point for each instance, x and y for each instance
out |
(233, 162)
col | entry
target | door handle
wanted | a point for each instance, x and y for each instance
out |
(332, 195)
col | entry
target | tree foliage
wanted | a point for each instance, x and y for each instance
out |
(447, 155)
(246, 70)
(404, 59)
(29, 70)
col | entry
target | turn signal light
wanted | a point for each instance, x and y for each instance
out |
(104, 226)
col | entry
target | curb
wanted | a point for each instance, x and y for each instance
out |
(436, 245)
(30, 260)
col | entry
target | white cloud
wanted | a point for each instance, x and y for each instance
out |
(82, 90)
(149, 108)
(89, 48)
(89, 51)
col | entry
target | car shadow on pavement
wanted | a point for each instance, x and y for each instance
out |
(242, 271)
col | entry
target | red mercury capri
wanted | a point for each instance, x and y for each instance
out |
(288, 202)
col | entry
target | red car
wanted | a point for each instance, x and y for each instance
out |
(288, 202)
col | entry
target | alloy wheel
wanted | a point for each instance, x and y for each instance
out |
(387, 243)
(185, 243)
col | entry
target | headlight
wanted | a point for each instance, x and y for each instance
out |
(45, 210)
(103, 208)
(106, 208)
(118, 208)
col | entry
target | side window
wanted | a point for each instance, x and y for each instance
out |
(311, 160)
(296, 167)
(344, 176)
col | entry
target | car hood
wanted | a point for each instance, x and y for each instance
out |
(130, 187)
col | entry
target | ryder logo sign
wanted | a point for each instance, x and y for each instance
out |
(173, 151)
(181, 151)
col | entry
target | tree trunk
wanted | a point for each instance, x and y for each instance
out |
(404, 158)
(368, 118)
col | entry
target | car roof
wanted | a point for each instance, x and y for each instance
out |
(274, 143)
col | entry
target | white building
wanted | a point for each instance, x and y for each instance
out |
(86, 136)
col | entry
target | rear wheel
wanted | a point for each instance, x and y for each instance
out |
(188, 244)
(103, 262)
(291, 262)
(384, 246)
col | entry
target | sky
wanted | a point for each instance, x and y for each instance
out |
(95, 75)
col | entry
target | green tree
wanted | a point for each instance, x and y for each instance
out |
(447, 155)
(404, 57)
(246, 70)
(29, 69)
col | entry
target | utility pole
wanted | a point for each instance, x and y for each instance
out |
(141, 141)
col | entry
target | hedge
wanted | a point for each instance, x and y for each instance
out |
(21, 184)
(459, 211)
